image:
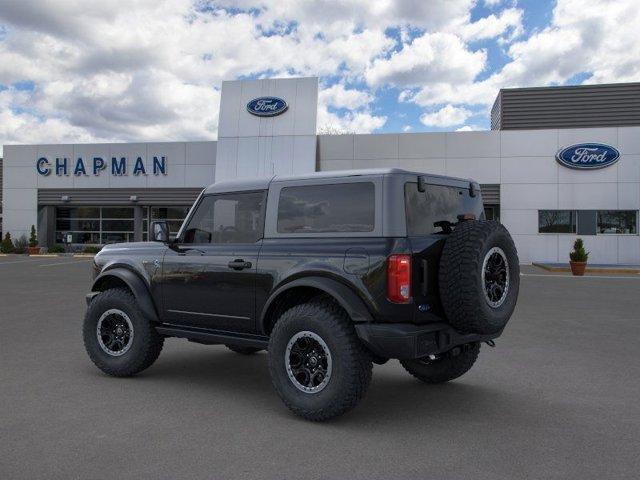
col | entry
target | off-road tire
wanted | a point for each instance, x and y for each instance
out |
(145, 347)
(243, 350)
(448, 366)
(462, 291)
(351, 363)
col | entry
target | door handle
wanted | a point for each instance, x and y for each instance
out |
(239, 264)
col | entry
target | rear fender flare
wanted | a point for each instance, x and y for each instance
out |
(345, 296)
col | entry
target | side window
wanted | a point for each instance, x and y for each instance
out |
(342, 207)
(227, 218)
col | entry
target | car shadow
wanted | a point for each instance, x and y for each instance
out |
(394, 399)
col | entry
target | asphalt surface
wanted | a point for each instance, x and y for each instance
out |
(558, 398)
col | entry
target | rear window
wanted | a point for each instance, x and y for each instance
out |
(344, 207)
(436, 209)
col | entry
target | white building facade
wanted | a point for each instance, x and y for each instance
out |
(115, 190)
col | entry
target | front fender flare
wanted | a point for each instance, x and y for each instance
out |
(345, 296)
(137, 286)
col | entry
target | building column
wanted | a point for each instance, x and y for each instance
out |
(46, 226)
(138, 217)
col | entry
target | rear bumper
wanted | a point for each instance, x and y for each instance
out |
(405, 340)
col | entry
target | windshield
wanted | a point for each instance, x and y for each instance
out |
(436, 209)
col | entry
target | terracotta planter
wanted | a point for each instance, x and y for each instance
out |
(578, 268)
(33, 250)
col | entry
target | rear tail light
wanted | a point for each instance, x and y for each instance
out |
(399, 278)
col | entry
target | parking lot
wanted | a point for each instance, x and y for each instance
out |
(559, 397)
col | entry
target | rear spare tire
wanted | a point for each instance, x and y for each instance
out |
(479, 277)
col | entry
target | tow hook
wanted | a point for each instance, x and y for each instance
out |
(491, 343)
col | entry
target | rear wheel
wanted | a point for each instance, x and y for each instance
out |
(318, 366)
(243, 350)
(443, 367)
(120, 341)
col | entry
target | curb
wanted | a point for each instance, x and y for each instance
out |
(567, 269)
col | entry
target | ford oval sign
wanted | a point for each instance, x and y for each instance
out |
(588, 156)
(267, 106)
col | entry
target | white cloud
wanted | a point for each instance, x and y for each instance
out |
(432, 57)
(447, 116)
(358, 122)
(407, 128)
(596, 38)
(340, 97)
(151, 70)
(469, 128)
(509, 22)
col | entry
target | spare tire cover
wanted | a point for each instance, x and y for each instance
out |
(479, 277)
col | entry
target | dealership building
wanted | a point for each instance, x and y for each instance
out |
(559, 162)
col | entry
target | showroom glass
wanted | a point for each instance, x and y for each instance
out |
(228, 218)
(174, 216)
(618, 221)
(94, 225)
(343, 207)
(556, 221)
(438, 204)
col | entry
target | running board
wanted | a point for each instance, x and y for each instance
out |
(214, 337)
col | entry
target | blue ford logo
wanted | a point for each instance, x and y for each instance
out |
(267, 106)
(588, 156)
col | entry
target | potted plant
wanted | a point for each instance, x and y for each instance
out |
(7, 244)
(33, 249)
(578, 258)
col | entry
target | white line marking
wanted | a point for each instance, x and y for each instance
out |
(572, 276)
(63, 263)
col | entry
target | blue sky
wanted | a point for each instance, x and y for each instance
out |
(77, 71)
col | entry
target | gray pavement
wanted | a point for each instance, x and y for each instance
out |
(558, 398)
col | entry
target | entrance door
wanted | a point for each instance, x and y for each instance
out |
(208, 274)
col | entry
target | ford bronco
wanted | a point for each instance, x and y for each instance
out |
(328, 272)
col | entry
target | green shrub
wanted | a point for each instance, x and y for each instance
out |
(20, 245)
(7, 245)
(579, 254)
(91, 249)
(57, 248)
(33, 238)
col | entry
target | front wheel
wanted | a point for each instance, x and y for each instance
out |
(443, 367)
(318, 366)
(118, 338)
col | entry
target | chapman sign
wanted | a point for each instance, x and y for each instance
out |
(588, 156)
(267, 106)
(118, 166)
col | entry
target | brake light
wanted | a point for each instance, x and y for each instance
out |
(399, 278)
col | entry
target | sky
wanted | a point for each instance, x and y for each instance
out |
(77, 71)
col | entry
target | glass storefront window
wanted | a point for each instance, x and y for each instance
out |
(556, 221)
(618, 221)
(174, 216)
(94, 225)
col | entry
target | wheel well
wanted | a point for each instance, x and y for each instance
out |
(290, 298)
(108, 282)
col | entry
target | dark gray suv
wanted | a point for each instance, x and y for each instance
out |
(330, 272)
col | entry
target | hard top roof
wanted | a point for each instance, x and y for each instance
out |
(264, 182)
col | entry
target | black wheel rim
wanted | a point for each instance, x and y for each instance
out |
(115, 332)
(308, 362)
(495, 277)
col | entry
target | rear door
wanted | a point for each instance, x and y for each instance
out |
(209, 273)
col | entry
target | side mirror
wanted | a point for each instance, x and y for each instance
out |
(160, 232)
